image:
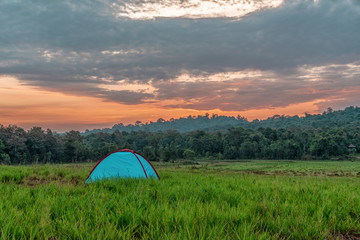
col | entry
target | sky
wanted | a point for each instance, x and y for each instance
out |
(76, 65)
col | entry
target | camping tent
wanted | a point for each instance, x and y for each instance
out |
(123, 163)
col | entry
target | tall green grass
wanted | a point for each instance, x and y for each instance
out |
(190, 203)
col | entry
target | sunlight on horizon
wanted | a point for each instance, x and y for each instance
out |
(28, 106)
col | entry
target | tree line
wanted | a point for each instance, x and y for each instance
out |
(349, 117)
(18, 146)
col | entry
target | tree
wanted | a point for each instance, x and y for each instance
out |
(167, 154)
(54, 147)
(16, 144)
(189, 154)
(35, 141)
(73, 147)
(138, 123)
(4, 157)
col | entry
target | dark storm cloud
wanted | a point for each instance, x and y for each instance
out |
(62, 45)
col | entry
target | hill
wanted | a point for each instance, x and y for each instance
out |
(349, 117)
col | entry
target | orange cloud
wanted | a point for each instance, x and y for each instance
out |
(28, 106)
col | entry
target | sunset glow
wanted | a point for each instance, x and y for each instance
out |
(27, 107)
(69, 65)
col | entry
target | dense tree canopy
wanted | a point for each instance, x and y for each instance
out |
(292, 141)
(349, 117)
(36, 145)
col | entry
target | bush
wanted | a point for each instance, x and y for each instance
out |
(189, 154)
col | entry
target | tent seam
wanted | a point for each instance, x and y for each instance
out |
(133, 152)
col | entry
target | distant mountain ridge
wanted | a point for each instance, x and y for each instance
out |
(349, 117)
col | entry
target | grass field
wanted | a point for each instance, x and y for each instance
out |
(222, 200)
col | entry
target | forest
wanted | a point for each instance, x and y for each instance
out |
(349, 117)
(321, 137)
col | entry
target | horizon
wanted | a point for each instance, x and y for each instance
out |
(75, 66)
(181, 117)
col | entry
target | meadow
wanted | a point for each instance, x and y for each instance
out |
(200, 200)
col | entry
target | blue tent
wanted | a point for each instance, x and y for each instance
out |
(123, 163)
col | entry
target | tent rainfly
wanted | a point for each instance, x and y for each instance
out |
(123, 163)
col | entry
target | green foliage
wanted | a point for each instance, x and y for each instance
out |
(292, 141)
(189, 154)
(45, 202)
(4, 157)
(167, 154)
(349, 117)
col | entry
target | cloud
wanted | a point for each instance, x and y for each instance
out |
(337, 85)
(126, 97)
(193, 9)
(78, 48)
